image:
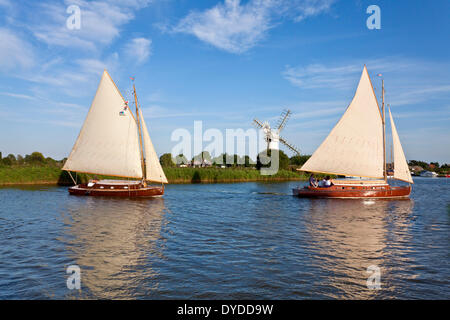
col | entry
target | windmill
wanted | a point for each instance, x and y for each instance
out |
(273, 138)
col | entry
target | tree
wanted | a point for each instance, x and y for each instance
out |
(205, 155)
(181, 159)
(248, 162)
(264, 160)
(299, 160)
(9, 160)
(35, 158)
(166, 160)
(422, 164)
(228, 159)
(50, 161)
(223, 159)
(20, 159)
(284, 160)
(435, 164)
(238, 161)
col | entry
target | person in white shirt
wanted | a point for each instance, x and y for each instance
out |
(327, 182)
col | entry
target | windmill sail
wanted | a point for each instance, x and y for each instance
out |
(154, 172)
(355, 145)
(401, 169)
(108, 141)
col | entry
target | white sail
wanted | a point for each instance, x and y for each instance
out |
(355, 145)
(108, 141)
(401, 169)
(154, 172)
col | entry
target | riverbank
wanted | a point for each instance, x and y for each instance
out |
(53, 175)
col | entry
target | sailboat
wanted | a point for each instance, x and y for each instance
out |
(356, 147)
(115, 142)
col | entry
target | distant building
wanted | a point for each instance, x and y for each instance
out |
(202, 160)
(416, 168)
(428, 174)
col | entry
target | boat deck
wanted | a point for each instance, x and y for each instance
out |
(352, 182)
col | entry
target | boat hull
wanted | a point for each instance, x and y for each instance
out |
(124, 190)
(354, 192)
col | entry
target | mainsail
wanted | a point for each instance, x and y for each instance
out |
(401, 169)
(154, 172)
(355, 145)
(108, 141)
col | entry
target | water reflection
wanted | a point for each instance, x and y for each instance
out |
(113, 241)
(347, 236)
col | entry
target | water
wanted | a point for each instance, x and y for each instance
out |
(237, 241)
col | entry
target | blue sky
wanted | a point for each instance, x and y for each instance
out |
(223, 62)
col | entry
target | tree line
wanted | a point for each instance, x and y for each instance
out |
(35, 158)
(432, 166)
(231, 160)
(167, 160)
(204, 157)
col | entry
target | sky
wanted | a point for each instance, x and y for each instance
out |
(223, 63)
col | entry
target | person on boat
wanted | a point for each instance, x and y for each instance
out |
(313, 181)
(322, 183)
(327, 182)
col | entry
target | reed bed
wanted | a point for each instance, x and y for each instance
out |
(10, 175)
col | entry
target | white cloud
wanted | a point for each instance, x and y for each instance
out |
(309, 8)
(407, 81)
(229, 26)
(421, 93)
(14, 52)
(339, 76)
(236, 27)
(18, 95)
(101, 23)
(138, 50)
(316, 75)
(91, 65)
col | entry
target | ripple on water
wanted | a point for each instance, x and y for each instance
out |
(229, 241)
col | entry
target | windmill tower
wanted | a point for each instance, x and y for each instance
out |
(272, 136)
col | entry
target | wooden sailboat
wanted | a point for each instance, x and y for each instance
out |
(357, 147)
(115, 142)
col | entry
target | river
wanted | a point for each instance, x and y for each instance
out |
(225, 241)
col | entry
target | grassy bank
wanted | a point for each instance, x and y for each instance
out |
(212, 175)
(30, 175)
(10, 175)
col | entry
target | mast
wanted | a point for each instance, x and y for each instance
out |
(140, 134)
(384, 131)
(392, 146)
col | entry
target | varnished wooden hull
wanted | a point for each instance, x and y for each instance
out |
(116, 190)
(354, 192)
